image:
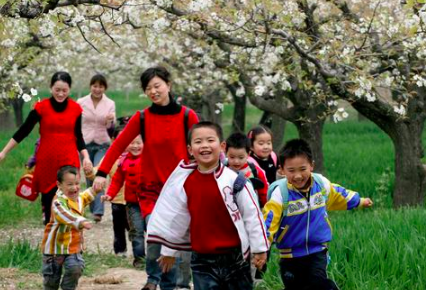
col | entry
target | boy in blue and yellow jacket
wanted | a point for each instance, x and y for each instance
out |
(296, 218)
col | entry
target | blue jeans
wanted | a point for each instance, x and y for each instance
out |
(221, 271)
(167, 280)
(96, 153)
(137, 229)
(52, 271)
(183, 275)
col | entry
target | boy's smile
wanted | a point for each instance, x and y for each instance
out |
(298, 171)
(237, 158)
(70, 186)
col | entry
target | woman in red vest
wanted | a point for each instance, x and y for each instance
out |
(165, 124)
(60, 138)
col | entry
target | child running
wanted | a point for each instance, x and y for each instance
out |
(63, 235)
(261, 152)
(128, 174)
(297, 221)
(197, 211)
(237, 152)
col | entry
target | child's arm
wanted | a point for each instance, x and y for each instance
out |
(253, 219)
(341, 198)
(262, 192)
(64, 216)
(117, 182)
(272, 213)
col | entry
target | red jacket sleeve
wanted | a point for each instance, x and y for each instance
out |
(192, 119)
(262, 192)
(120, 144)
(117, 182)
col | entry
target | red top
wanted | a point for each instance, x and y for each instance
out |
(58, 146)
(164, 147)
(261, 192)
(128, 173)
(212, 229)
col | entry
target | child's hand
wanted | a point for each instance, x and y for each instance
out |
(99, 183)
(367, 202)
(259, 260)
(106, 198)
(86, 225)
(166, 263)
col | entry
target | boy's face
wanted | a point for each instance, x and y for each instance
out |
(135, 148)
(298, 171)
(237, 158)
(206, 147)
(70, 185)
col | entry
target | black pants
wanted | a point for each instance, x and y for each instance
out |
(306, 273)
(46, 204)
(120, 225)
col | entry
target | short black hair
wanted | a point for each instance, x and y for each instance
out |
(238, 141)
(99, 78)
(252, 134)
(294, 148)
(206, 124)
(61, 76)
(64, 170)
(152, 72)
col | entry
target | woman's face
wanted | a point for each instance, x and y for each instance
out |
(60, 91)
(97, 90)
(157, 91)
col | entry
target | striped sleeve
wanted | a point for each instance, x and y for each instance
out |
(341, 198)
(272, 213)
(64, 216)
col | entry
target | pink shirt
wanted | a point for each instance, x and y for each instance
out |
(94, 125)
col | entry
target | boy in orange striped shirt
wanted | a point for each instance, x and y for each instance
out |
(62, 241)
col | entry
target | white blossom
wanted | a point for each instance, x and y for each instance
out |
(399, 110)
(240, 91)
(33, 92)
(26, 98)
(340, 115)
(259, 90)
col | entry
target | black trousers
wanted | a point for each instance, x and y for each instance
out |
(120, 225)
(46, 204)
(306, 273)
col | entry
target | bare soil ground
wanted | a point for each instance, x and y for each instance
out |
(98, 240)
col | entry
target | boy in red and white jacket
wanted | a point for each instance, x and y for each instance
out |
(197, 211)
(128, 174)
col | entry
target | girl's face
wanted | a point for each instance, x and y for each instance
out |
(135, 148)
(158, 91)
(262, 145)
(97, 90)
(60, 91)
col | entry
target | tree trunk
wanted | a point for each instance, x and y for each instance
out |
(311, 132)
(409, 173)
(266, 120)
(6, 120)
(18, 106)
(239, 116)
(405, 134)
(278, 130)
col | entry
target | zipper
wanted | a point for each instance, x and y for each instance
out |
(309, 219)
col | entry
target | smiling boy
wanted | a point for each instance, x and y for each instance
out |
(296, 218)
(197, 211)
(62, 241)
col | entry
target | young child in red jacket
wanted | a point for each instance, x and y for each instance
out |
(237, 152)
(128, 174)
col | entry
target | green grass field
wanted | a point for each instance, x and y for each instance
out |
(381, 248)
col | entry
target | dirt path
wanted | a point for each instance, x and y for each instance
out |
(98, 240)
